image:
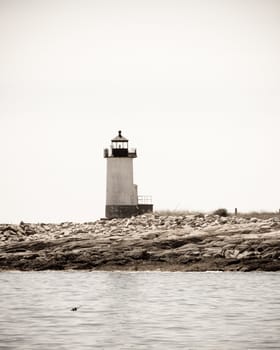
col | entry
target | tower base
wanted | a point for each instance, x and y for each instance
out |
(126, 211)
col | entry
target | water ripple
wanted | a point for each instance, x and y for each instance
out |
(143, 310)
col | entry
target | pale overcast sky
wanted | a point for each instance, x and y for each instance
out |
(193, 84)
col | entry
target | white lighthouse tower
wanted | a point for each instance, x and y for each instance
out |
(121, 193)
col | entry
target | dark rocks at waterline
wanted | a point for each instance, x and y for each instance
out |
(147, 242)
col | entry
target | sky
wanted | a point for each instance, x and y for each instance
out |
(193, 84)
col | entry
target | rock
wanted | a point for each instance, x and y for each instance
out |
(187, 243)
(253, 220)
(223, 220)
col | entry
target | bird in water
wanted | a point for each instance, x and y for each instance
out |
(75, 308)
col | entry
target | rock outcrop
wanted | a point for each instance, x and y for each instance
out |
(184, 243)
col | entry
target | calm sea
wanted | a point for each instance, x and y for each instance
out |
(140, 310)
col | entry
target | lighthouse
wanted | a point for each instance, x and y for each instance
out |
(122, 198)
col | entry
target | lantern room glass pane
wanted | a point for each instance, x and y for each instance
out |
(119, 145)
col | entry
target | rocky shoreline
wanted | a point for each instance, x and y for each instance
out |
(147, 242)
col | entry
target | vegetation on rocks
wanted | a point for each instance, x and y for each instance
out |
(221, 212)
(192, 242)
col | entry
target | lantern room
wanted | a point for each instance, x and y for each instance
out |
(120, 146)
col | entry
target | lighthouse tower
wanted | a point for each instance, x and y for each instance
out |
(121, 194)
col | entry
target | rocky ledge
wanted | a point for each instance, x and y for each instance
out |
(148, 242)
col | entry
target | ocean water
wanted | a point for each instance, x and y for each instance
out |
(139, 310)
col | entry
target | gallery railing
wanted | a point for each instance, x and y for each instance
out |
(144, 199)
